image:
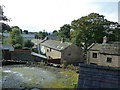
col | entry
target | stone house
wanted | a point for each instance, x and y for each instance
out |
(5, 50)
(106, 54)
(60, 51)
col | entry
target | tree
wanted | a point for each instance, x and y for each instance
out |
(90, 29)
(6, 27)
(64, 31)
(3, 26)
(28, 43)
(15, 37)
(25, 31)
(55, 32)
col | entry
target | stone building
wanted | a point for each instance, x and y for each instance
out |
(96, 76)
(5, 50)
(62, 51)
(106, 54)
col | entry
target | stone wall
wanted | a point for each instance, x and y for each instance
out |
(22, 55)
(94, 76)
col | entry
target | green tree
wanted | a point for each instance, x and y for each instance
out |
(64, 32)
(55, 32)
(15, 37)
(25, 31)
(90, 29)
(6, 27)
(28, 43)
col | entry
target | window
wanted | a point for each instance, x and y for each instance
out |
(47, 50)
(69, 54)
(94, 55)
(109, 60)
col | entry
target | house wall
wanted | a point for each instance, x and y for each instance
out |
(102, 59)
(72, 54)
(115, 60)
(52, 54)
(90, 58)
(94, 76)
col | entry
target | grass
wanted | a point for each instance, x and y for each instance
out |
(68, 79)
(64, 78)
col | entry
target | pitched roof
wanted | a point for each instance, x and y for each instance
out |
(57, 45)
(7, 46)
(28, 35)
(108, 48)
(111, 48)
(37, 41)
(95, 46)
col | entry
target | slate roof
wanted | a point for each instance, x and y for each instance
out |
(52, 37)
(37, 41)
(111, 48)
(95, 46)
(57, 45)
(28, 35)
(24, 35)
(108, 48)
(7, 46)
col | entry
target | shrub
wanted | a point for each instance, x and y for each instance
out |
(28, 43)
(72, 67)
(18, 46)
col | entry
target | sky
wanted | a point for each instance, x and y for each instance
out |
(50, 15)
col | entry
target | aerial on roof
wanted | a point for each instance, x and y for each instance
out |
(58, 45)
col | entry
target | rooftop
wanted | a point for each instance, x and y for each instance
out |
(7, 46)
(108, 48)
(57, 45)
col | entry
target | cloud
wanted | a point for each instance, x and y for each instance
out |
(48, 14)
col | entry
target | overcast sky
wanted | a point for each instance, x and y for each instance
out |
(37, 15)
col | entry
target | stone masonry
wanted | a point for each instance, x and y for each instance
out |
(94, 76)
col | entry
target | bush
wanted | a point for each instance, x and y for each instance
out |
(72, 67)
(18, 46)
(28, 43)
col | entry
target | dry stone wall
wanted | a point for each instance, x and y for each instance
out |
(94, 76)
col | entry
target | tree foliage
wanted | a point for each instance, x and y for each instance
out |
(92, 28)
(15, 37)
(42, 34)
(64, 32)
(55, 32)
(28, 43)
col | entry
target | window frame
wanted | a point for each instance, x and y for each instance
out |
(109, 60)
(94, 55)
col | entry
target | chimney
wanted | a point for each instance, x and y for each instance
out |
(104, 40)
(62, 40)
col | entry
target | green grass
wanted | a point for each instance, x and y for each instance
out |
(65, 78)
(69, 79)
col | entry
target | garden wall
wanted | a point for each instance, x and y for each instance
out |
(22, 55)
(94, 76)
